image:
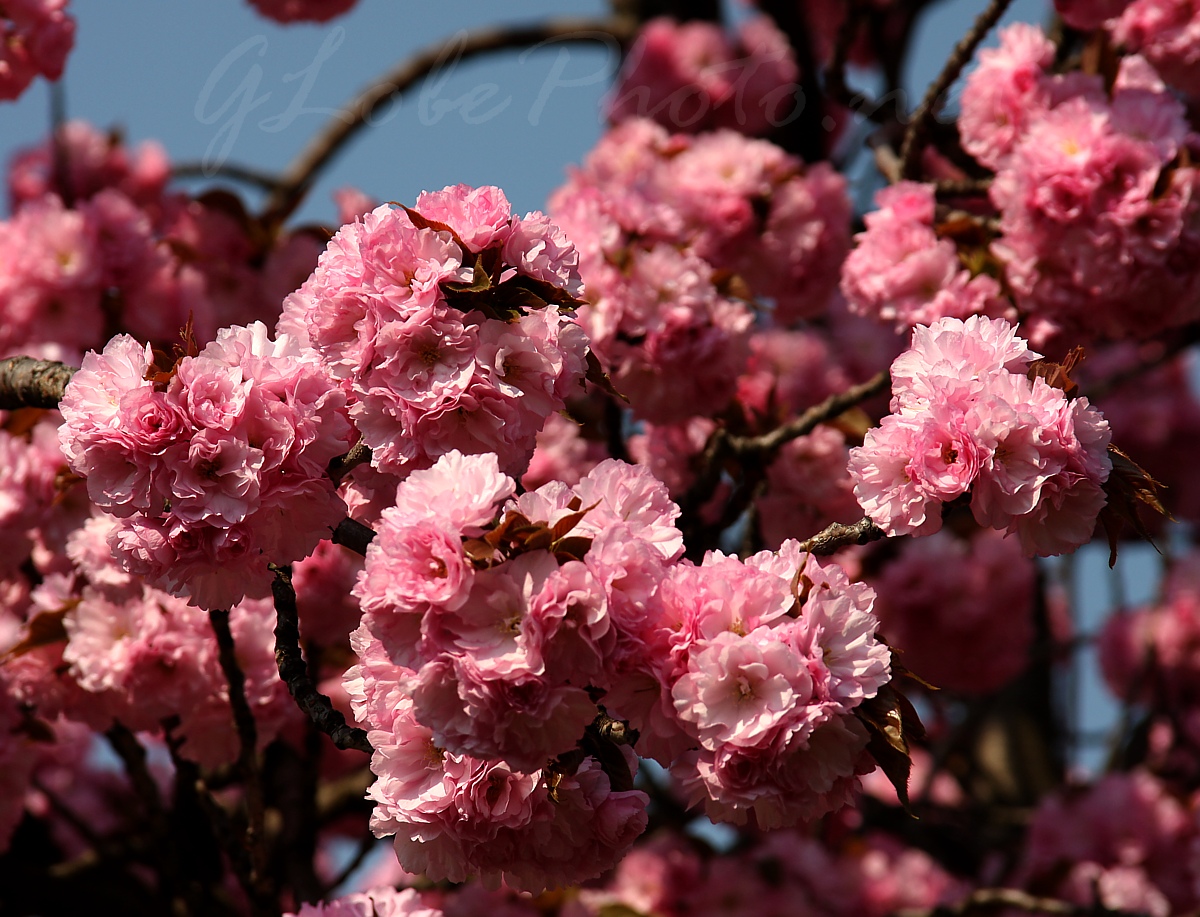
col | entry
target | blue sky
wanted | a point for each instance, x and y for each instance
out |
(214, 81)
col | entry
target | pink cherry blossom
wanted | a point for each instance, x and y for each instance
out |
(302, 10)
(36, 36)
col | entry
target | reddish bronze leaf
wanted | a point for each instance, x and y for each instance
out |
(573, 547)
(598, 377)
(566, 523)
(1128, 485)
(479, 552)
(421, 222)
(1058, 375)
(891, 720)
(43, 629)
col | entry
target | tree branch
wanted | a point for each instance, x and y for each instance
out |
(303, 172)
(918, 128)
(801, 132)
(133, 756)
(353, 535)
(722, 445)
(247, 730)
(836, 536)
(190, 786)
(29, 383)
(341, 465)
(245, 174)
(294, 671)
(831, 407)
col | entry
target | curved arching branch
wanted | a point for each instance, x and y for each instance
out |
(357, 114)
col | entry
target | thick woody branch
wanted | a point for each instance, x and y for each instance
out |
(837, 536)
(918, 128)
(801, 131)
(359, 112)
(29, 383)
(294, 671)
(353, 535)
(342, 465)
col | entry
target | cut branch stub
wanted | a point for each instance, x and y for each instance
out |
(29, 383)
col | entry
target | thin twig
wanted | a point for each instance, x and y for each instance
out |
(914, 137)
(133, 756)
(964, 187)
(836, 536)
(366, 844)
(294, 671)
(722, 445)
(29, 383)
(247, 730)
(831, 407)
(359, 112)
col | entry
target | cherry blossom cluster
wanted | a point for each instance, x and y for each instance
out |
(35, 38)
(377, 902)
(1117, 843)
(959, 610)
(493, 639)
(692, 77)
(448, 325)
(1099, 215)
(1151, 655)
(216, 466)
(482, 648)
(675, 234)
(784, 872)
(98, 245)
(1165, 32)
(139, 655)
(967, 418)
(763, 664)
(902, 272)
